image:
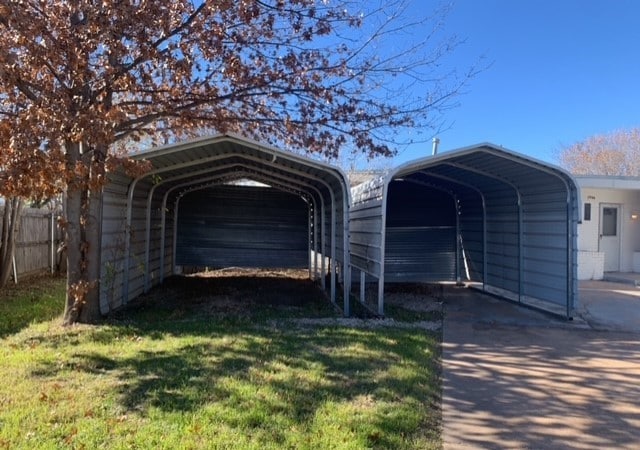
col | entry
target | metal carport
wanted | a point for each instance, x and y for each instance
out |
(482, 215)
(139, 215)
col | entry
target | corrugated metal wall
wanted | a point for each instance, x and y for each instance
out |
(366, 226)
(502, 236)
(420, 233)
(113, 232)
(546, 243)
(114, 212)
(237, 226)
(471, 234)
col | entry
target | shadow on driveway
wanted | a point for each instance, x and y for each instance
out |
(515, 378)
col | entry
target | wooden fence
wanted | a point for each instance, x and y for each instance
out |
(37, 245)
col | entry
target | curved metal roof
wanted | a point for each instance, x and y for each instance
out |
(483, 164)
(196, 157)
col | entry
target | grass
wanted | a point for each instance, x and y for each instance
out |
(145, 381)
(33, 300)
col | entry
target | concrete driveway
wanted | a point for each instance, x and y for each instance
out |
(610, 306)
(515, 378)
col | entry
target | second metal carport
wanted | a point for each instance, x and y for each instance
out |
(139, 220)
(481, 215)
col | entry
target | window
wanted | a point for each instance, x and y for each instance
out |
(587, 211)
(609, 221)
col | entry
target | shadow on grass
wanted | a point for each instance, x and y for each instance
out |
(209, 348)
(378, 381)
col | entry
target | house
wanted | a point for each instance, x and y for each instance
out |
(609, 231)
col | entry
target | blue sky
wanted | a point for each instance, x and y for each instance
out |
(562, 70)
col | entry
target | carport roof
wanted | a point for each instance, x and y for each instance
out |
(184, 159)
(478, 165)
(485, 157)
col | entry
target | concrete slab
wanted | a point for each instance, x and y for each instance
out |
(516, 378)
(610, 306)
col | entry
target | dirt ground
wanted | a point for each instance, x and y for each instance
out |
(415, 296)
(235, 292)
(239, 291)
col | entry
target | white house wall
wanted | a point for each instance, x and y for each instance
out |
(588, 230)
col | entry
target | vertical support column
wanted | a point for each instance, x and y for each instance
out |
(315, 239)
(570, 271)
(346, 263)
(362, 287)
(484, 245)
(163, 227)
(332, 266)
(309, 226)
(147, 240)
(458, 237)
(381, 295)
(383, 238)
(175, 236)
(53, 242)
(323, 272)
(520, 251)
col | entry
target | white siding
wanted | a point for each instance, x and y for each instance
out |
(588, 231)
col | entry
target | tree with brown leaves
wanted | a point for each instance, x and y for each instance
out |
(616, 153)
(78, 76)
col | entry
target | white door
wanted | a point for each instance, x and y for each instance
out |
(609, 237)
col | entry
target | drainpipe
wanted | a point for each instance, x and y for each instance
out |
(434, 149)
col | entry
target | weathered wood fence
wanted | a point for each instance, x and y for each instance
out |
(37, 244)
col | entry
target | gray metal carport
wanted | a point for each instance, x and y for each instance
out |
(139, 217)
(481, 214)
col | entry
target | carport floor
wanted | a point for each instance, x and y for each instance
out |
(515, 378)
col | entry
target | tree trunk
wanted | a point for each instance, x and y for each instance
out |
(73, 229)
(10, 225)
(93, 241)
(83, 217)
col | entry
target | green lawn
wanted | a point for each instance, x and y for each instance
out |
(33, 300)
(145, 381)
